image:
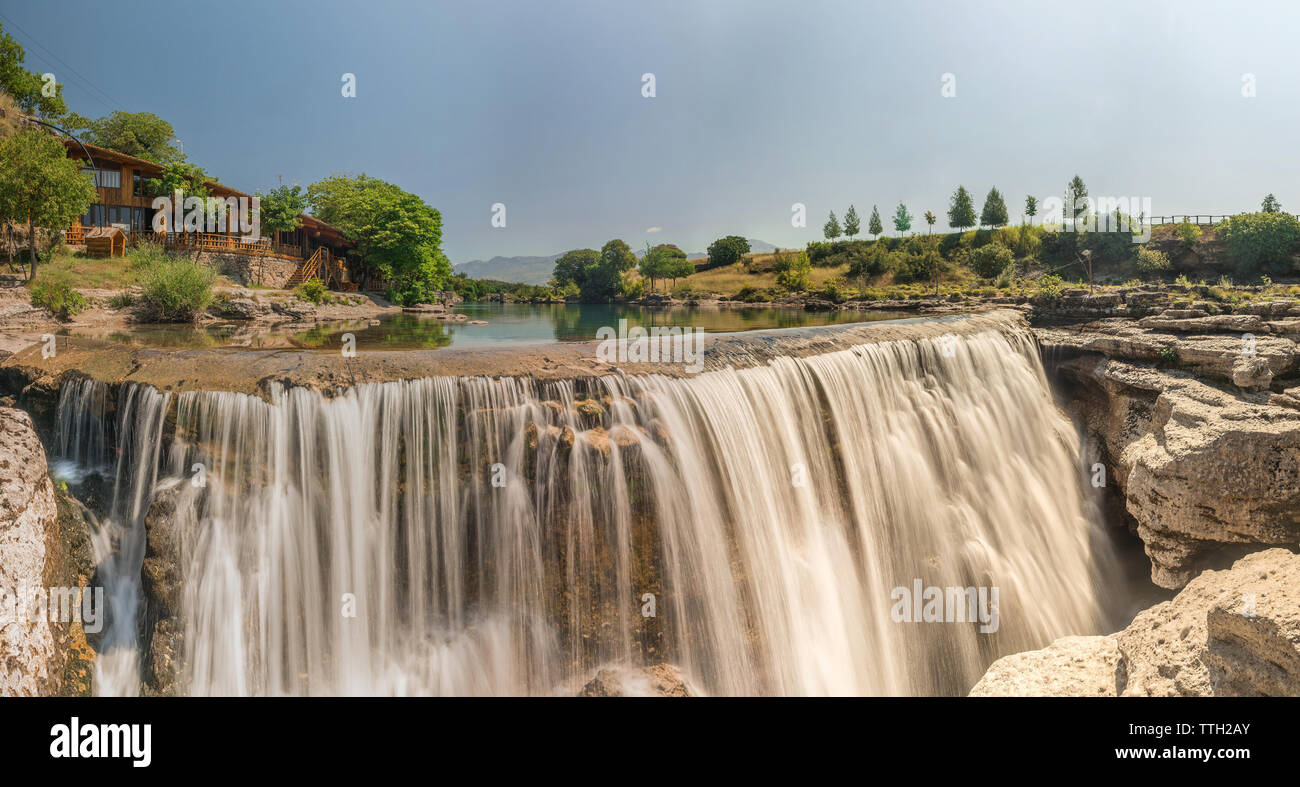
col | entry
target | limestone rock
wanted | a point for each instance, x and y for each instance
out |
(1069, 667)
(1206, 475)
(659, 680)
(1219, 323)
(1228, 633)
(33, 650)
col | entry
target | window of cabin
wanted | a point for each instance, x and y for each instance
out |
(137, 185)
(105, 178)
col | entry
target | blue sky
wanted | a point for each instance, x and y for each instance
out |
(759, 105)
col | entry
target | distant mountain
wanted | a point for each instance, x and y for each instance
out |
(525, 270)
(538, 270)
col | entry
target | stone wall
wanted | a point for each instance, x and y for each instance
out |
(247, 270)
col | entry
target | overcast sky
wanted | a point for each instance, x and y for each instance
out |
(759, 105)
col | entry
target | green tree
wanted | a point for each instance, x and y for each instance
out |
(572, 267)
(395, 233)
(281, 208)
(831, 229)
(793, 270)
(851, 222)
(27, 87)
(670, 262)
(929, 220)
(140, 134)
(874, 226)
(902, 219)
(1270, 205)
(1031, 207)
(1076, 199)
(728, 250)
(40, 186)
(961, 210)
(995, 209)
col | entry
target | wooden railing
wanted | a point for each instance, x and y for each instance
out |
(75, 235)
(308, 269)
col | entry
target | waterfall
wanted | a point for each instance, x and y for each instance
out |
(466, 536)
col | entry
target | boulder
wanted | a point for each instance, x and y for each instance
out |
(1234, 632)
(659, 680)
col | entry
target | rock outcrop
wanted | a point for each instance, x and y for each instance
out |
(658, 680)
(1228, 633)
(43, 546)
(1206, 475)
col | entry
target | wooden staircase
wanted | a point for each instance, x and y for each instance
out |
(308, 269)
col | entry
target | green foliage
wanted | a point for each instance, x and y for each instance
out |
(831, 229)
(27, 87)
(930, 219)
(1031, 206)
(870, 262)
(1187, 233)
(902, 219)
(1260, 242)
(664, 261)
(39, 185)
(961, 210)
(1151, 261)
(995, 209)
(732, 248)
(396, 233)
(990, 260)
(794, 271)
(598, 276)
(1168, 355)
(1270, 205)
(174, 289)
(851, 222)
(281, 208)
(189, 179)
(58, 297)
(874, 226)
(140, 134)
(1076, 198)
(1051, 287)
(312, 291)
(572, 266)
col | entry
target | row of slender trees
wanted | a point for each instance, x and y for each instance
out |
(961, 213)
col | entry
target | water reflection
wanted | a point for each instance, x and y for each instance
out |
(507, 324)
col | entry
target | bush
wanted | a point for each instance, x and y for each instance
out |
(869, 262)
(58, 297)
(793, 271)
(312, 291)
(1151, 261)
(990, 260)
(1187, 233)
(174, 289)
(1260, 242)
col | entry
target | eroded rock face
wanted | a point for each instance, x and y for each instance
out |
(35, 553)
(1228, 633)
(658, 680)
(1206, 475)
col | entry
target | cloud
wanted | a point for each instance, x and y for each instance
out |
(654, 229)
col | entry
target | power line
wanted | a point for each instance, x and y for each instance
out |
(86, 83)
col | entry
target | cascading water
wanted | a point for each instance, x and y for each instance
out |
(481, 536)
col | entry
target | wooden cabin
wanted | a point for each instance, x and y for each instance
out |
(125, 201)
(105, 242)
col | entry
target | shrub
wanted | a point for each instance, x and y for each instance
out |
(1187, 233)
(990, 260)
(1152, 261)
(793, 271)
(869, 262)
(1260, 242)
(174, 289)
(58, 297)
(312, 291)
(122, 300)
(836, 290)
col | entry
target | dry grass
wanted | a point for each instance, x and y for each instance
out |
(733, 278)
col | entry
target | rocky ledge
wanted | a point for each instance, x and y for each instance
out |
(44, 544)
(1228, 633)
